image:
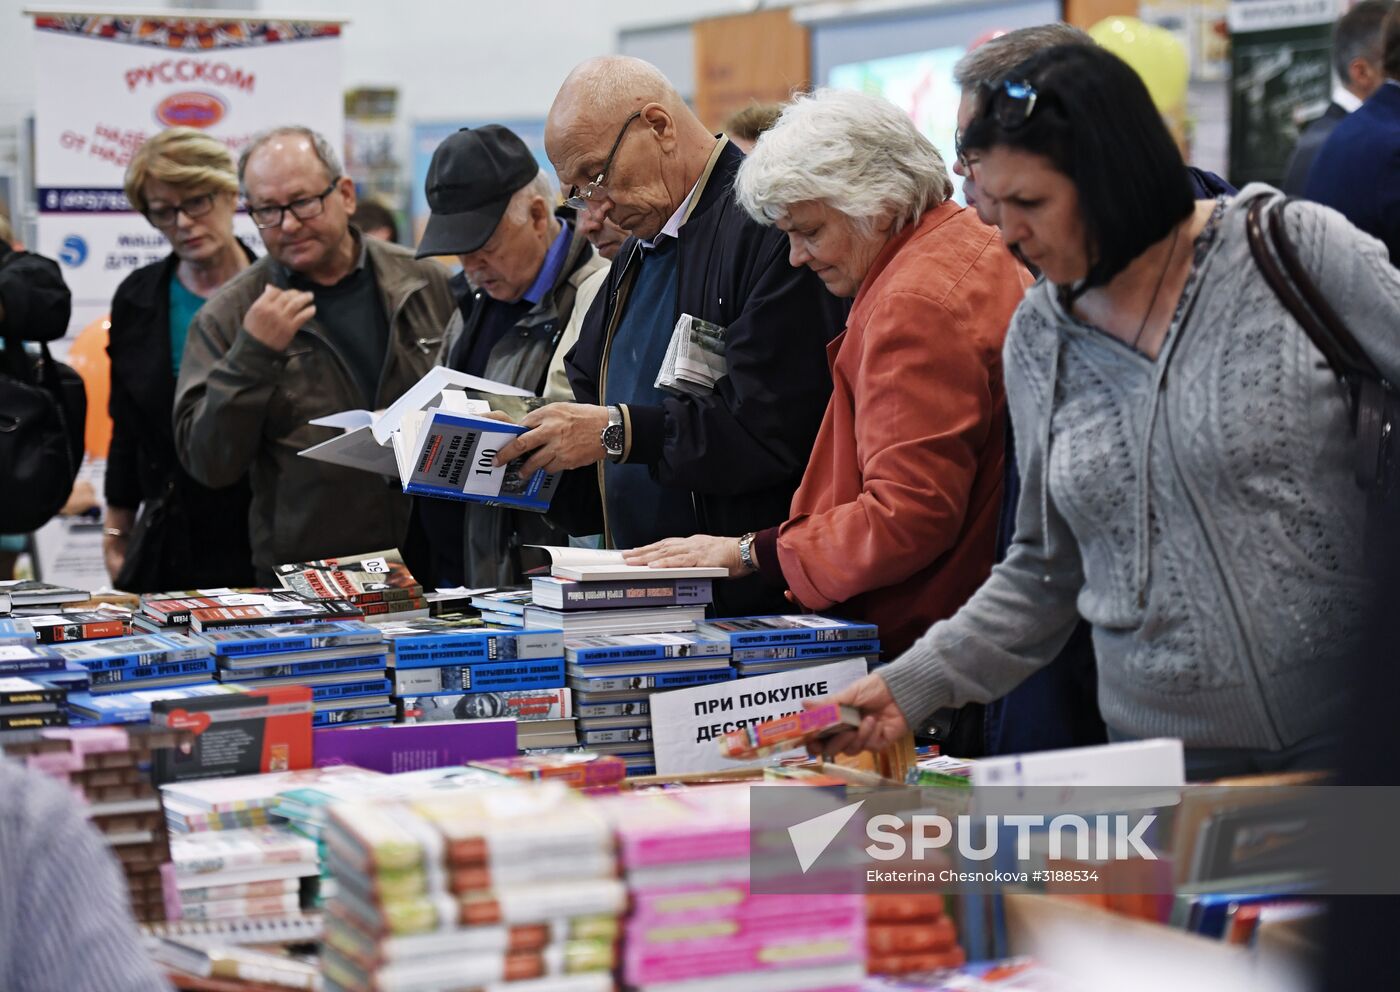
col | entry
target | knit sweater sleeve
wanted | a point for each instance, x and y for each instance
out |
(1021, 617)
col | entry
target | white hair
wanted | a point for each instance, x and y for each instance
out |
(859, 154)
(518, 210)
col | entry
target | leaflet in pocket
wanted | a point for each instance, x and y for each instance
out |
(694, 359)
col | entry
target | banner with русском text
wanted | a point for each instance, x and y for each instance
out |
(106, 83)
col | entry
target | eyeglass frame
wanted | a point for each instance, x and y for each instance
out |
(282, 208)
(183, 207)
(579, 199)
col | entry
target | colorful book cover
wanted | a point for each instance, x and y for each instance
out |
(284, 612)
(453, 456)
(79, 626)
(524, 705)
(247, 731)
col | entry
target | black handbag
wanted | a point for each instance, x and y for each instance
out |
(150, 545)
(43, 413)
(1375, 403)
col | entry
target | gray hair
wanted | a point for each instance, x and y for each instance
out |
(542, 186)
(1357, 35)
(327, 155)
(990, 62)
(859, 154)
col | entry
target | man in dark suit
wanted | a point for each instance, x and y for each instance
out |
(1358, 170)
(1356, 55)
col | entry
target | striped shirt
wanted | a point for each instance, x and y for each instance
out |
(65, 922)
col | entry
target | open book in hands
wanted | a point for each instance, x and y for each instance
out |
(435, 441)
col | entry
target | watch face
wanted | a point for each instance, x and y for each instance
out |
(612, 437)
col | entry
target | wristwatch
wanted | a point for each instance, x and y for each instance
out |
(614, 437)
(746, 552)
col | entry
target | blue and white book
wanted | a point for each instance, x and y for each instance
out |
(74, 678)
(802, 652)
(430, 643)
(133, 707)
(453, 456)
(132, 674)
(24, 659)
(369, 711)
(780, 630)
(509, 601)
(503, 676)
(345, 690)
(13, 630)
(274, 639)
(140, 649)
(245, 662)
(600, 649)
(662, 680)
(656, 666)
(306, 669)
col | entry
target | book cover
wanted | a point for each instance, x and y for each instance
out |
(603, 648)
(453, 456)
(569, 594)
(223, 850)
(16, 631)
(431, 642)
(250, 730)
(280, 638)
(133, 706)
(524, 705)
(505, 676)
(409, 747)
(20, 692)
(795, 629)
(375, 573)
(134, 651)
(130, 676)
(282, 612)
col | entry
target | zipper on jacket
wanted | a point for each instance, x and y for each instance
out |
(1236, 613)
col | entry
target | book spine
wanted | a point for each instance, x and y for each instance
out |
(25, 666)
(280, 645)
(638, 708)
(368, 687)
(327, 666)
(648, 652)
(242, 890)
(141, 659)
(790, 652)
(225, 909)
(89, 631)
(630, 594)
(509, 676)
(34, 721)
(525, 705)
(39, 694)
(666, 680)
(136, 673)
(384, 712)
(616, 736)
(476, 645)
(394, 606)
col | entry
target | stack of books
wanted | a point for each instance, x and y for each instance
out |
(379, 584)
(240, 873)
(694, 920)
(908, 933)
(590, 773)
(108, 768)
(343, 661)
(84, 625)
(167, 613)
(30, 597)
(608, 597)
(28, 704)
(472, 888)
(504, 607)
(765, 645)
(459, 670)
(120, 666)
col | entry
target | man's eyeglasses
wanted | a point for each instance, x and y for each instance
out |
(579, 198)
(271, 214)
(195, 206)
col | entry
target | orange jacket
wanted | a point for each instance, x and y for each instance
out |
(895, 522)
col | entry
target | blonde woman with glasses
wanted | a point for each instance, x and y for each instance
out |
(184, 183)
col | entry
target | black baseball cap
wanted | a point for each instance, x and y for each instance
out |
(470, 182)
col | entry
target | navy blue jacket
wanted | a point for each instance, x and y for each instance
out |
(740, 451)
(1358, 170)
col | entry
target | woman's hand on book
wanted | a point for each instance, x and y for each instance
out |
(696, 551)
(882, 722)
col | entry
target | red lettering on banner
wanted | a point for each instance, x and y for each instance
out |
(191, 71)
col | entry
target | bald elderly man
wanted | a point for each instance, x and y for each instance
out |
(649, 463)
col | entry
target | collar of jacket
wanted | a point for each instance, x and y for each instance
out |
(395, 270)
(151, 294)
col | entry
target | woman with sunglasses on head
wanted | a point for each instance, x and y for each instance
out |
(184, 182)
(1186, 451)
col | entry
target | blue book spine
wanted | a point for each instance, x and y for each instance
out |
(505, 676)
(663, 680)
(790, 652)
(352, 716)
(366, 687)
(136, 673)
(25, 666)
(281, 645)
(474, 646)
(328, 666)
(139, 659)
(646, 652)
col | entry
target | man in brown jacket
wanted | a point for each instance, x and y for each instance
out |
(329, 320)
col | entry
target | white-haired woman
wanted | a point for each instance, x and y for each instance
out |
(184, 182)
(895, 521)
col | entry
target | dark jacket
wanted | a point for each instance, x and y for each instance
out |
(477, 545)
(741, 451)
(242, 407)
(141, 462)
(1310, 142)
(36, 299)
(1357, 172)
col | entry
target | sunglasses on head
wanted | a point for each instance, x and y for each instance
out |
(1012, 102)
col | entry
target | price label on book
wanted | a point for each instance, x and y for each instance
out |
(688, 724)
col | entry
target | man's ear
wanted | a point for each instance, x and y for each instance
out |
(1364, 77)
(345, 188)
(661, 125)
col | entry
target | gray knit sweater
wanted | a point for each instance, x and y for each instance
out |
(1198, 510)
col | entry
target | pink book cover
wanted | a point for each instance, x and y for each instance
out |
(730, 901)
(798, 921)
(681, 827)
(672, 962)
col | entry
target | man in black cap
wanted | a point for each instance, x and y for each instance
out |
(527, 280)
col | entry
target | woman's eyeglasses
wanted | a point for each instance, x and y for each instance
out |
(195, 206)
